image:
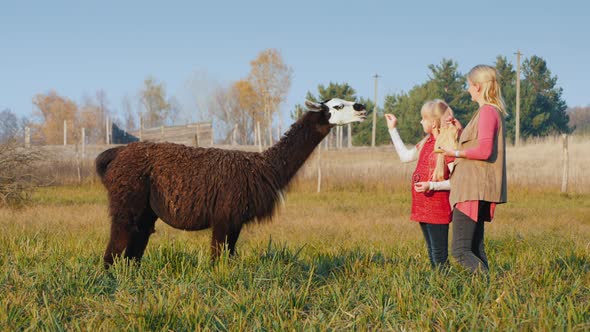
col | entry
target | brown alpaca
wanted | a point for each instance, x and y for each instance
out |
(196, 188)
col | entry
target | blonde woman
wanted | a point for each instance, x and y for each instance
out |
(430, 208)
(478, 181)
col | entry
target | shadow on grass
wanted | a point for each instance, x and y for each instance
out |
(324, 265)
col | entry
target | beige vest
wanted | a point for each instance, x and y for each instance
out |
(482, 180)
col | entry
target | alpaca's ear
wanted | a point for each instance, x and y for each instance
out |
(314, 107)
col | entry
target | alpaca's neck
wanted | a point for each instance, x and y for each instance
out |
(289, 154)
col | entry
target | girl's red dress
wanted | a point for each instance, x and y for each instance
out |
(431, 207)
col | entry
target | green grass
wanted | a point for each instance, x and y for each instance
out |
(339, 260)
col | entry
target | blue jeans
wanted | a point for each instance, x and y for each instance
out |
(437, 242)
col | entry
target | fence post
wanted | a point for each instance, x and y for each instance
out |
(197, 136)
(255, 136)
(107, 140)
(319, 162)
(259, 136)
(65, 132)
(141, 127)
(349, 136)
(79, 165)
(83, 143)
(27, 137)
(234, 134)
(564, 179)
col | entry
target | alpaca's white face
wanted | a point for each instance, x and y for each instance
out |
(341, 111)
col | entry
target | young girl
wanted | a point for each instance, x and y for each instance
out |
(430, 208)
(479, 177)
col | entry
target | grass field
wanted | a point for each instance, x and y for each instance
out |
(347, 258)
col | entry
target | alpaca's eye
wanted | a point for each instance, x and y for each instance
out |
(339, 107)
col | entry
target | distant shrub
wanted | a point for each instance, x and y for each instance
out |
(17, 169)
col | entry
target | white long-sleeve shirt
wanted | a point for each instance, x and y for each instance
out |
(407, 155)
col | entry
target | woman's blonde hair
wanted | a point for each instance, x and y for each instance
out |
(434, 110)
(486, 77)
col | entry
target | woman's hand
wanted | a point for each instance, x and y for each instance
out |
(449, 120)
(454, 122)
(421, 187)
(391, 120)
(450, 152)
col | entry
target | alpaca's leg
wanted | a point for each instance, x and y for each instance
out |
(222, 235)
(218, 241)
(129, 206)
(232, 238)
(117, 243)
(139, 237)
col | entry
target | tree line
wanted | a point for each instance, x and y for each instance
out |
(542, 108)
(252, 104)
(245, 103)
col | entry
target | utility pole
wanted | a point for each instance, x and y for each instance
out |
(374, 114)
(517, 138)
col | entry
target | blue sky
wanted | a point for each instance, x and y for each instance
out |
(79, 47)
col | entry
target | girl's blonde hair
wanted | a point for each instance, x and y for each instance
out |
(435, 110)
(486, 77)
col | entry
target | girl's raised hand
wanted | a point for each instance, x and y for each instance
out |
(391, 120)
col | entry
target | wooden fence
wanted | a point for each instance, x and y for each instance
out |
(195, 134)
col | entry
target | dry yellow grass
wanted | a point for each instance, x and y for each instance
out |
(536, 165)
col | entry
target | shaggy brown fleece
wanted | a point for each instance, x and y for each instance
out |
(196, 188)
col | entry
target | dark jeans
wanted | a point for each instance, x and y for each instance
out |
(437, 242)
(468, 239)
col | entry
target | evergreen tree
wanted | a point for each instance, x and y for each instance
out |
(448, 84)
(507, 80)
(362, 132)
(333, 90)
(445, 83)
(406, 107)
(543, 110)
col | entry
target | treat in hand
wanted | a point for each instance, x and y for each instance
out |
(391, 120)
(447, 138)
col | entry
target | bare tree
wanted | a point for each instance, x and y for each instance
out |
(128, 116)
(225, 107)
(174, 110)
(9, 126)
(250, 110)
(579, 119)
(271, 78)
(153, 99)
(92, 119)
(103, 112)
(52, 111)
(197, 96)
